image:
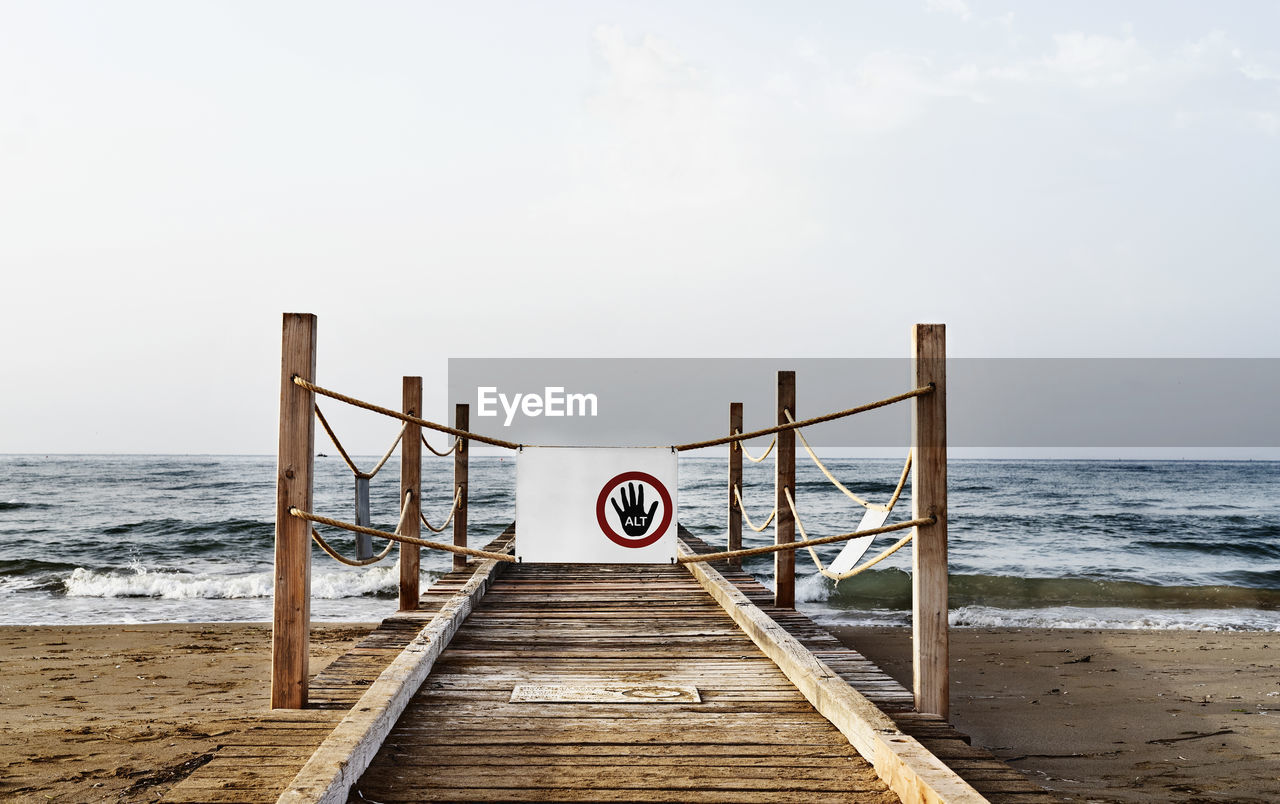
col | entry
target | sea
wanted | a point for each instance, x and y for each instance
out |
(1033, 543)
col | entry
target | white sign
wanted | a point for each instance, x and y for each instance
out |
(596, 506)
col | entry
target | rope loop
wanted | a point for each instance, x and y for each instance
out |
(742, 446)
(737, 495)
(448, 548)
(404, 417)
(355, 470)
(897, 492)
(453, 511)
(351, 562)
(456, 446)
(866, 565)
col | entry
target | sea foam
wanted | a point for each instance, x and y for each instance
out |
(141, 581)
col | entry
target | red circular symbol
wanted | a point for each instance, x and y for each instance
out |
(628, 509)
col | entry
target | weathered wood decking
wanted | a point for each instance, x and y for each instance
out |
(753, 738)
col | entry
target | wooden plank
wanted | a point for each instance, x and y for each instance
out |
(411, 484)
(462, 421)
(930, 676)
(735, 482)
(343, 756)
(909, 769)
(291, 619)
(784, 524)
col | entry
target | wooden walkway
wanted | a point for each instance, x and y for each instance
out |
(753, 737)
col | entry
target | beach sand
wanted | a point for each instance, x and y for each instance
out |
(121, 713)
(1114, 715)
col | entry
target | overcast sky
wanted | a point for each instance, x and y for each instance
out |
(597, 179)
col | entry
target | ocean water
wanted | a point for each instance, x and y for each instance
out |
(1092, 544)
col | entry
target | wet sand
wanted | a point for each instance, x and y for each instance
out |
(1114, 715)
(121, 713)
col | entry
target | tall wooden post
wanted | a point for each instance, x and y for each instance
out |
(735, 481)
(929, 498)
(291, 625)
(410, 483)
(784, 561)
(462, 421)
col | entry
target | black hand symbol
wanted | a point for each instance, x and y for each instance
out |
(631, 513)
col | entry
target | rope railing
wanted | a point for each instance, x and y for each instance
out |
(453, 511)
(866, 565)
(737, 495)
(363, 562)
(350, 562)
(404, 417)
(751, 457)
(355, 470)
(498, 442)
(457, 445)
(897, 492)
(695, 558)
(839, 414)
(449, 548)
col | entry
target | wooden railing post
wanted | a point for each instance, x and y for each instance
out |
(411, 483)
(462, 421)
(291, 622)
(929, 498)
(735, 481)
(784, 561)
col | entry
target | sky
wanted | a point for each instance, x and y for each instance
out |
(602, 179)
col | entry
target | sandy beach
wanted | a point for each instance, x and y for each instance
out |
(1114, 715)
(121, 713)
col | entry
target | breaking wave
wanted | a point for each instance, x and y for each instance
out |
(140, 581)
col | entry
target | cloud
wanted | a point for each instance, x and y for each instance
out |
(1092, 60)
(667, 151)
(1266, 122)
(888, 90)
(955, 7)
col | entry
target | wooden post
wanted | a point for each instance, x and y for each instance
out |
(462, 421)
(784, 561)
(735, 481)
(291, 625)
(364, 542)
(410, 482)
(929, 498)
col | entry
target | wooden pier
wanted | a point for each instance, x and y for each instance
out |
(753, 737)
(602, 681)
